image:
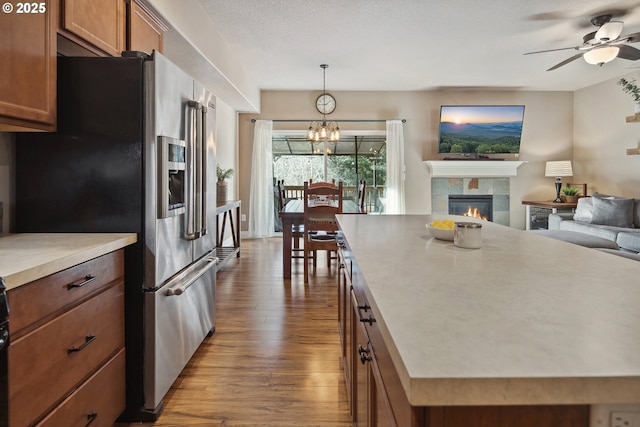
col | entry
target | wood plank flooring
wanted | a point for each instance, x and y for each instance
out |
(274, 359)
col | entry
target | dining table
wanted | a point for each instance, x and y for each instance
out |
(293, 215)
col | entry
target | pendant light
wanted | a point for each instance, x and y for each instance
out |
(323, 132)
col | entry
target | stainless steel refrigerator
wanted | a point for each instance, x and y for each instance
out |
(134, 152)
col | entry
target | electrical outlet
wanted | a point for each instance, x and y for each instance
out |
(625, 419)
(243, 217)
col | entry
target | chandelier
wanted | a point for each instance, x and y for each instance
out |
(323, 131)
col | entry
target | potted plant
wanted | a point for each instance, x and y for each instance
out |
(630, 87)
(571, 194)
(223, 175)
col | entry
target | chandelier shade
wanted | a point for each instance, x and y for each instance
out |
(321, 131)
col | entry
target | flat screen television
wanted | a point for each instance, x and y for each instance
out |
(480, 129)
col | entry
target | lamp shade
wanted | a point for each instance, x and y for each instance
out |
(558, 168)
(601, 55)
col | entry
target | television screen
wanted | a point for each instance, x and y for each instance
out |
(481, 129)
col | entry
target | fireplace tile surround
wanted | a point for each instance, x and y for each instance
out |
(478, 177)
(497, 187)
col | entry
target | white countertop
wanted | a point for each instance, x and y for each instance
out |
(524, 320)
(31, 256)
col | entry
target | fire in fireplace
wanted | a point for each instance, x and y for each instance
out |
(477, 206)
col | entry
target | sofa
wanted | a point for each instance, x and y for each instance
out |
(610, 217)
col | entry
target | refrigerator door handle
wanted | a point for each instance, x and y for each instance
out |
(203, 171)
(198, 169)
(190, 276)
(191, 232)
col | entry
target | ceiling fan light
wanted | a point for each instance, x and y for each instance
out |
(601, 55)
(609, 31)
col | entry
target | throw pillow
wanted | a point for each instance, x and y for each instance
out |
(606, 196)
(584, 210)
(614, 212)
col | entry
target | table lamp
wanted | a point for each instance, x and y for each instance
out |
(558, 169)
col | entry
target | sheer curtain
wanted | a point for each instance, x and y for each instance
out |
(394, 203)
(261, 221)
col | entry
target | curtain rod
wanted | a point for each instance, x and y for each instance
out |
(340, 121)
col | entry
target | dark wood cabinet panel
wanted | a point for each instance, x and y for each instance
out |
(28, 70)
(509, 416)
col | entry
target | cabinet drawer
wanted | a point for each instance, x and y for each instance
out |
(41, 300)
(46, 364)
(101, 399)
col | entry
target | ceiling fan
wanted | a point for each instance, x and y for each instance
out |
(603, 45)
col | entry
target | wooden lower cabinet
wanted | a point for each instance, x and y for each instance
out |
(66, 361)
(377, 396)
(99, 400)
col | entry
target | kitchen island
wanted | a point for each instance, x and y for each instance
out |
(524, 320)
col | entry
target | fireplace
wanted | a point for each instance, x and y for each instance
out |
(475, 205)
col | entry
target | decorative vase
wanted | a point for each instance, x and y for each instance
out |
(221, 194)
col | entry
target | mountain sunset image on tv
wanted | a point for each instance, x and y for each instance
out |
(480, 129)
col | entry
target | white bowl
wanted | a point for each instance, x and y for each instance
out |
(440, 233)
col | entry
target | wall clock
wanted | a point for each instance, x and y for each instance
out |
(326, 104)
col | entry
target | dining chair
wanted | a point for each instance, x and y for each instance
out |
(321, 204)
(362, 185)
(297, 230)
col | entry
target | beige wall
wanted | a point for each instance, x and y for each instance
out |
(547, 134)
(226, 144)
(602, 137)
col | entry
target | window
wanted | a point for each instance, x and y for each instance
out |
(357, 156)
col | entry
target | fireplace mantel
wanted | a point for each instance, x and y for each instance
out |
(472, 168)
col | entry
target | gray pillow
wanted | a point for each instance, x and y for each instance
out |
(636, 213)
(584, 210)
(615, 212)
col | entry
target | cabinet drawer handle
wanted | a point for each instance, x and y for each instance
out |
(364, 354)
(88, 340)
(91, 418)
(363, 319)
(80, 283)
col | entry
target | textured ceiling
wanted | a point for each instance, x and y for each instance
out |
(416, 44)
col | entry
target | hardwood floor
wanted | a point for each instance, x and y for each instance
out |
(274, 359)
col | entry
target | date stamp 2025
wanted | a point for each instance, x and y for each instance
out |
(23, 8)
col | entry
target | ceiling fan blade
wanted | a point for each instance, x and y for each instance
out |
(551, 50)
(566, 61)
(631, 38)
(628, 52)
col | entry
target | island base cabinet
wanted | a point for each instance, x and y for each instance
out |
(509, 416)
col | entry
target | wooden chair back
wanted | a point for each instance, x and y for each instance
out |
(321, 204)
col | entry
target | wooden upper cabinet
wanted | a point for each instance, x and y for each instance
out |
(144, 28)
(28, 69)
(99, 26)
